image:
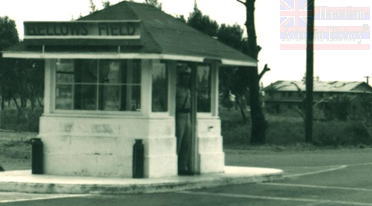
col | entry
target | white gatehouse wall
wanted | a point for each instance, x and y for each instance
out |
(79, 143)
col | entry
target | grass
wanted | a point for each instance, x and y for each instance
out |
(15, 150)
(283, 130)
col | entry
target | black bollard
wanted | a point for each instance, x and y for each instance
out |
(37, 156)
(138, 159)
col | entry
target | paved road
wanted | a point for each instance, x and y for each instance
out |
(318, 185)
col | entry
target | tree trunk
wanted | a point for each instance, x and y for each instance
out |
(19, 110)
(259, 125)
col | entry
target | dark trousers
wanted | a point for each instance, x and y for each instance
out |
(184, 141)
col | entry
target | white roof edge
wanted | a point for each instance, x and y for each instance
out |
(87, 21)
(80, 55)
(238, 63)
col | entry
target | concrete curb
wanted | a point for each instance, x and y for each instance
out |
(23, 181)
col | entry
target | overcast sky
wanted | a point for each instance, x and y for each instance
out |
(347, 57)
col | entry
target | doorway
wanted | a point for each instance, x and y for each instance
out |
(186, 118)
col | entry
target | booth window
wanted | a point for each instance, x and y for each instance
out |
(204, 88)
(159, 87)
(109, 85)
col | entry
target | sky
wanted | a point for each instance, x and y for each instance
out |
(343, 46)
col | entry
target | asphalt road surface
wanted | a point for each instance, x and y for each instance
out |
(338, 185)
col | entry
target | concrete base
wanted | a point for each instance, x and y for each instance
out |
(24, 181)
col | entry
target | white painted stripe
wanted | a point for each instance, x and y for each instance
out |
(276, 198)
(361, 164)
(316, 172)
(336, 167)
(124, 37)
(319, 187)
(43, 198)
(106, 55)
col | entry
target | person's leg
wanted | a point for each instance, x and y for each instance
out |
(180, 130)
(180, 134)
(187, 146)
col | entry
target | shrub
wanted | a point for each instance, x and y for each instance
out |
(336, 107)
(338, 133)
(285, 132)
(235, 133)
(27, 121)
(290, 131)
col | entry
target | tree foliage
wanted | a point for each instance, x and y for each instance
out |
(106, 4)
(231, 35)
(8, 38)
(92, 6)
(202, 22)
(8, 33)
(154, 3)
(21, 80)
(181, 18)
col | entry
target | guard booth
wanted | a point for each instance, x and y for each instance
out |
(110, 78)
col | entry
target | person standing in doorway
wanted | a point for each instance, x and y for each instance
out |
(183, 120)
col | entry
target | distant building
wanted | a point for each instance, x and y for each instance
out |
(283, 96)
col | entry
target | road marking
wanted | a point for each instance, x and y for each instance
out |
(276, 198)
(43, 198)
(319, 187)
(338, 167)
(361, 164)
(316, 172)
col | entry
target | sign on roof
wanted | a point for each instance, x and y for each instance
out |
(81, 30)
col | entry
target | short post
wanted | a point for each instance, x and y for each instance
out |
(37, 156)
(138, 159)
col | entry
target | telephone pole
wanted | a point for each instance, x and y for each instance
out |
(309, 72)
(367, 79)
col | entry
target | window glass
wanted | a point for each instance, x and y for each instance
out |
(64, 80)
(131, 72)
(110, 98)
(64, 97)
(131, 100)
(109, 85)
(109, 72)
(159, 88)
(85, 97)
(86, 71)
(204, 88)
(65, 71)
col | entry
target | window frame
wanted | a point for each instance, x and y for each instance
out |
(98, 83)
(212, 72)
(169, 75)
